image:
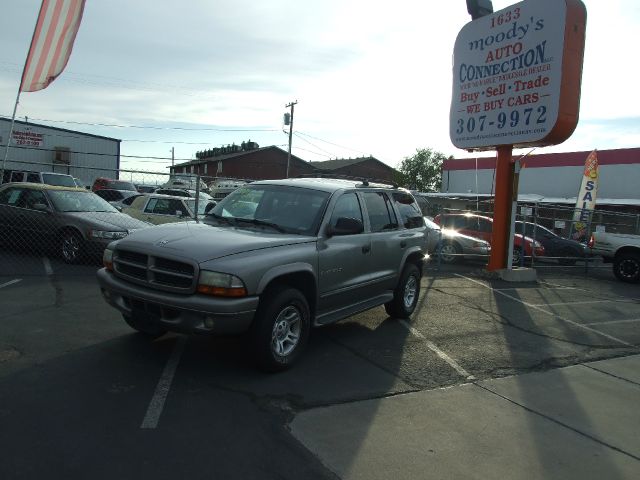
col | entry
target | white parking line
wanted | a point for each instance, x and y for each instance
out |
(10, 282)
(156, 405)
(47, 266)
(535, 307)
(630, 320)
(432, 346)
(581, 303)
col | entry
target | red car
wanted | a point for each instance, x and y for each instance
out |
(102, 183)
(481, 227)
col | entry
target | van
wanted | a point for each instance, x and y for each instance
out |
(50, 178)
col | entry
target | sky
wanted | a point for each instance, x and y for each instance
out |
(370, 78)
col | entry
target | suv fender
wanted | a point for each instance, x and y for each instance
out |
(285, 270)
(413, 255)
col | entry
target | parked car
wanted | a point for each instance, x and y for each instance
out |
(183, 192)
(620, 249)
(157, 208)
(118, 198)
(185, 181)
(50, 178)
(454, 246)
(221, 187)
(565, 250)
(71, 221)
(312, 252)
(146, 188)
(102, 182)
(481, 227)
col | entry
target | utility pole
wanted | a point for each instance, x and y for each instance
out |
(292, 104)
(172, 157)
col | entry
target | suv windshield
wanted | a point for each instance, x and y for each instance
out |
(289, 209)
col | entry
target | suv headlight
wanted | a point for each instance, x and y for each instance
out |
(106, 234)
(220, 284)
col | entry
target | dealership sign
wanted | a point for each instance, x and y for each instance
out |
(27, 138)
(516, 76)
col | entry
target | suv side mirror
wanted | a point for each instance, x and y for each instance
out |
(209, 207)
(346, 226)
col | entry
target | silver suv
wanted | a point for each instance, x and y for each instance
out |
(274, 258)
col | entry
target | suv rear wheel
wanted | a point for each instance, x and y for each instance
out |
(406, 294)
(281, 328)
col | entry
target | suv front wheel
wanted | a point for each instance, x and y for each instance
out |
(406, 294)
(281, 328)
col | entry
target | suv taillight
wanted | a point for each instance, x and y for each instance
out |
(591, 242)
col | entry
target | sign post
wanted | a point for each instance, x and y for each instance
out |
(516, 83)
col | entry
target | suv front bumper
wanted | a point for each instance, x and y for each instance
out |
(194, 313)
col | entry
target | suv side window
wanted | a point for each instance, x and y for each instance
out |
(348, 206)
(410, 212)
(381, 214)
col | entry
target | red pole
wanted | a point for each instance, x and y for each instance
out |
(502, 209)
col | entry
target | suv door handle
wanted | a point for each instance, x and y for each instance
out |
(366, 249)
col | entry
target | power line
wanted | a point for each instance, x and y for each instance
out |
(149, 127)
(331, 143)
(313, 145)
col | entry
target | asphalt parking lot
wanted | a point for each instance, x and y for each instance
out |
(81, 395)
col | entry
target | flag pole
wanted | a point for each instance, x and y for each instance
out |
(6, 147)
(15, 107)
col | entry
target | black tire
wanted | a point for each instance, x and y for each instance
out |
(567, 257)
(626, 267)
(450, 252)
(515, 259)
(406, 294)
(71, 246)
(144, 326)
(281, 328)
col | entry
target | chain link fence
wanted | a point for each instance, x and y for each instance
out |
(50, 220)
(546, 236)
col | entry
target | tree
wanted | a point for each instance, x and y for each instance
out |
(422, 171)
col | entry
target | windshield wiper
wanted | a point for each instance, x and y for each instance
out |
(264, 223)
(221, 219)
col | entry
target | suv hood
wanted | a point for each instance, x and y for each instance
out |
(202, 242)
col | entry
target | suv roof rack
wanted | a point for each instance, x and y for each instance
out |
(365, 181)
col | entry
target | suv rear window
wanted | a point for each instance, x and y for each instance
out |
(410, 212)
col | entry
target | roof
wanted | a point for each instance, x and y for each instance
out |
(31, 124)
(620, 156)
(345, 162)
(324, 184)
(531, 198)
(229, 156)
(44, 186)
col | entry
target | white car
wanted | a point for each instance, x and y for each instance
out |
(453, 246)
(157, 209)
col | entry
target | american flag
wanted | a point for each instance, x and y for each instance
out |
(52, 41)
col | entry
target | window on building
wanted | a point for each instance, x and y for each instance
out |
(62, 155)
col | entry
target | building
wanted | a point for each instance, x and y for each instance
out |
(551, 175)
(250, 162)
(50, 149)
(245, 161)
(367, 167)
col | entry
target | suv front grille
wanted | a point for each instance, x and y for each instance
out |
(156, 272)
